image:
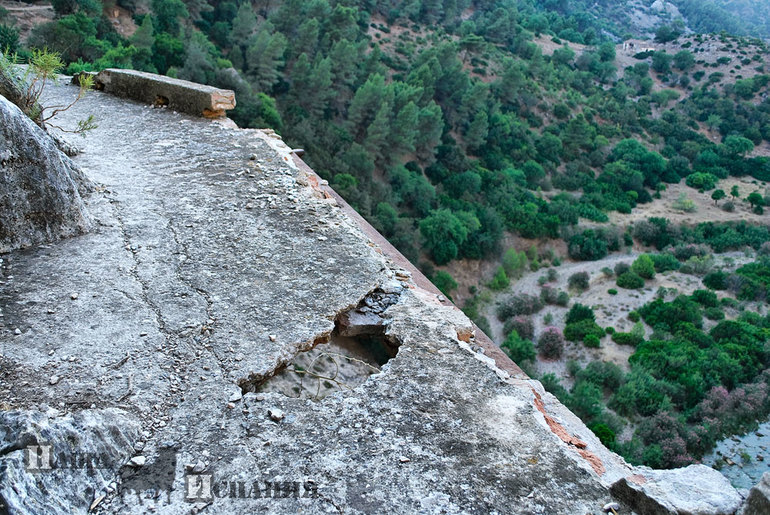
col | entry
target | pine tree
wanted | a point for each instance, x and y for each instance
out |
(376, 141)
(244, 25)
(404, 131)
(430, 125)
(478, 130)
(144, 37)
(366, 102)
(264, 57)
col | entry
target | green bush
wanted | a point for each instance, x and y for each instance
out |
(9, 39)
(702, 181)
(514, 262)
(589, 245)
(577, 331)
(627, 339)
(665, 262)
(518, 349)
(591, 340)
(622, 268)
(522, 325)
(630, 281)
(551, 343)
(579, 281)
(644, 267)
(714, 313)
(523, 304)
(669, 315)
(705, 298)
(604, 434)
(579, 312)
(444, 282)
(500, 281)
(612, 291)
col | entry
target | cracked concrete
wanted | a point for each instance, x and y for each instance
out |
(213, 261)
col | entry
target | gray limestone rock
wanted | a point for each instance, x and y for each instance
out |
(758, 501)
(69, 458)
(40, 188)
(693, 490)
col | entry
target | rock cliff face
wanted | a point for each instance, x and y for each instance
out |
(40, 187)
(175, 348)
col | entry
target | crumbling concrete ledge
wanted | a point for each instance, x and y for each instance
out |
(216, 261)
(180, 95)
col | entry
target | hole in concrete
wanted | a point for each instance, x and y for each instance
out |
(356, 349)
(160, 101)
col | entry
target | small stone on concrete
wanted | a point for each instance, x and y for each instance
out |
(138, 461)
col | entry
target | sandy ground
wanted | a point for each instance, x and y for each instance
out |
(706, 210)
(610, 310)
(547, 45)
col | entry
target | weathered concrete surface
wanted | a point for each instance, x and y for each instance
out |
(693, 489)
(179, 95)
(758, 501)
(39, 186)
(214, 262)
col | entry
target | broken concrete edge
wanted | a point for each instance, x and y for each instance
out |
(501, 360)
(161, 91)
(587, 449)
(491, 355)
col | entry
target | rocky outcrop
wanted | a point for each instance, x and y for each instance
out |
(51, 452)
(40, 188)
(758, 501)
(696, 489)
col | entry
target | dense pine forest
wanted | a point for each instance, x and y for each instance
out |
(456, 127)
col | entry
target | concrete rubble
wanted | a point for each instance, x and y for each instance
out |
(216, 260)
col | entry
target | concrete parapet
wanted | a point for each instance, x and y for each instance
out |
(180, 95)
